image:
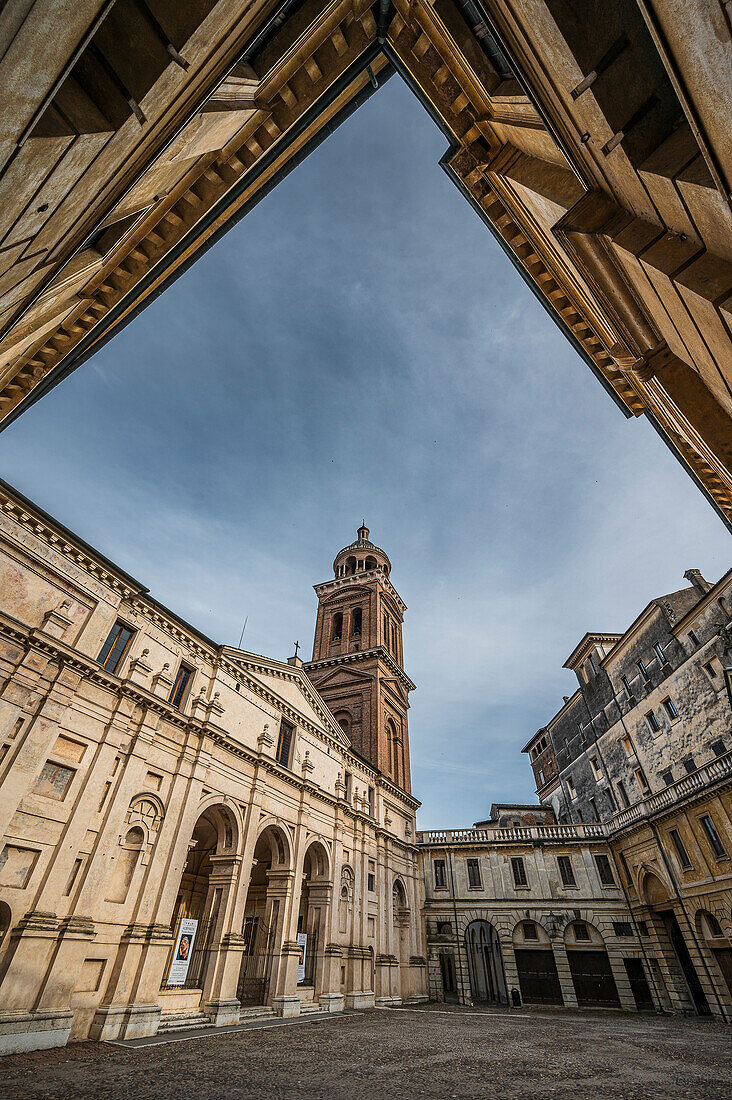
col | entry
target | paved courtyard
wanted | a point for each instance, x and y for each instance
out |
(429, 1051)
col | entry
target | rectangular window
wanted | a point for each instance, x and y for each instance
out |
(571, 787)
(622, 928)
(440, 876)
(180, 686)
(670, 707)
(626, 869)
(693, 638)
(54, 781)
(474, 872)
(667, 777)
(115, 647)
(642, 669)
(519, 871)
(653, 723)
(348, 784)
(595, 767)
(529, 930)
(627, 745)
(626, 684)
(371, 883)
(604, 869)
(718, 748)
(566, 871)
(643, 928)
(593, 808)
(713, 836)
(640, 775)
(659, 653)
(581, 931)
(593, 664)
(681, 851)
(623, 794)
(710, 670)
(689, 764)
(284, 744)
(372, 801)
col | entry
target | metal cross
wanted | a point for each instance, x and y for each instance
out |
(297, 646)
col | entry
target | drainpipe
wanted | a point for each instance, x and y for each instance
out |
(448, 850)
(382, 25)
(626, 895)
(672, 877)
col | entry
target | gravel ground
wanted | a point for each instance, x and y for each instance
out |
(428, 1051)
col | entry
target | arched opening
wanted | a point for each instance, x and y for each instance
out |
(395, 753)
(485, 964)
(401, 922)
(661, 908)
(264, 914)
(312, 920)
(589, 965)
(200, 901)
(350, 566)
(536, 965)
(336, 628)
(126, 859)
(6, 919)
(371, 563)
(343, 718)
(719, 944)
(356, 621)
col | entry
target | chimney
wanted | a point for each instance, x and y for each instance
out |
(697, 581)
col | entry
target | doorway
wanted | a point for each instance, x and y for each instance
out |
(485, 963)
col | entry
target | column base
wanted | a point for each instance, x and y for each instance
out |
(125, 1022)
(333, 1002)
(286, 1006)
(388, 1002)
(223, 1013)
(22, 1031)
(361, 999)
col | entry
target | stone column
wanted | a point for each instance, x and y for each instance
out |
(281, 891)
(222, 970)
(565, 976)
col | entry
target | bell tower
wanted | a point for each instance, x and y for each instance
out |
(357, 657)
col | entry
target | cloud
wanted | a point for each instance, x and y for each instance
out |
(359, 346)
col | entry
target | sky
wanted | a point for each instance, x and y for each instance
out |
(359, 347)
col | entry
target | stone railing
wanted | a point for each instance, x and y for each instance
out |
(721, 768)
(713, 772)
(529, 834)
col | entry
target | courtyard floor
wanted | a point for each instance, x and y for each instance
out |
(427, 1051)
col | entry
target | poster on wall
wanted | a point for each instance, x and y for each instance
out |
(182, 953)
(302, 942)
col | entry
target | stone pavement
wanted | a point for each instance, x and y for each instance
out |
(432, 1051)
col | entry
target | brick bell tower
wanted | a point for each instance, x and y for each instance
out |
(357, 657)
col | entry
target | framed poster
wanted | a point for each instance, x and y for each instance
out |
(302, 940)
(183, 951)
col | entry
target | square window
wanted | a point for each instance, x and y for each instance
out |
(529, 930)
(667, 777)
(439, 872)
(54, 781)
(718, 748)
(581, 931)
(474, 872)
(284, 744)
(519, 871)
(622, 928)
(115, 647)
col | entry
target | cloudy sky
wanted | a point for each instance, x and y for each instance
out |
(359, 347)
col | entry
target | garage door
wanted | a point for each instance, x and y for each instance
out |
(538, 977)
(593, 979)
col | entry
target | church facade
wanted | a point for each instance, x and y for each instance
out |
(189, 833)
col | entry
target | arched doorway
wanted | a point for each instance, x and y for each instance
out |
(264, 915)
(718, 944)
(536, 965)
(673, 946)
(485, 963)
(312, 921)
(589, 965)
(201, 899)
(401, 921)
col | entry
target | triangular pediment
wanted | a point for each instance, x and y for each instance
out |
(342, 675)
(291, 685)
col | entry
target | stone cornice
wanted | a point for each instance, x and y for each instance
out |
(352, 580)
(379, 651)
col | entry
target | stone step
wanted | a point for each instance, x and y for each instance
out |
(256, 1012)
(181, 1020)
(311, 1008)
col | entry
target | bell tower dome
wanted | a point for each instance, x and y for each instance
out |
(357, 663)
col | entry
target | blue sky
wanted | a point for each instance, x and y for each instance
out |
(359, 347)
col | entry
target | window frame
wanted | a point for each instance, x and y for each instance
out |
(73, 772)
(713, 838)
(653, 724)
(585, 937)
(439, 873)
(181, 691)
(518, 870)
(604, 868)
(119, 626)
(672, 712)
(566, 871)
(680, 849)
(473, 870)
(285, 725)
